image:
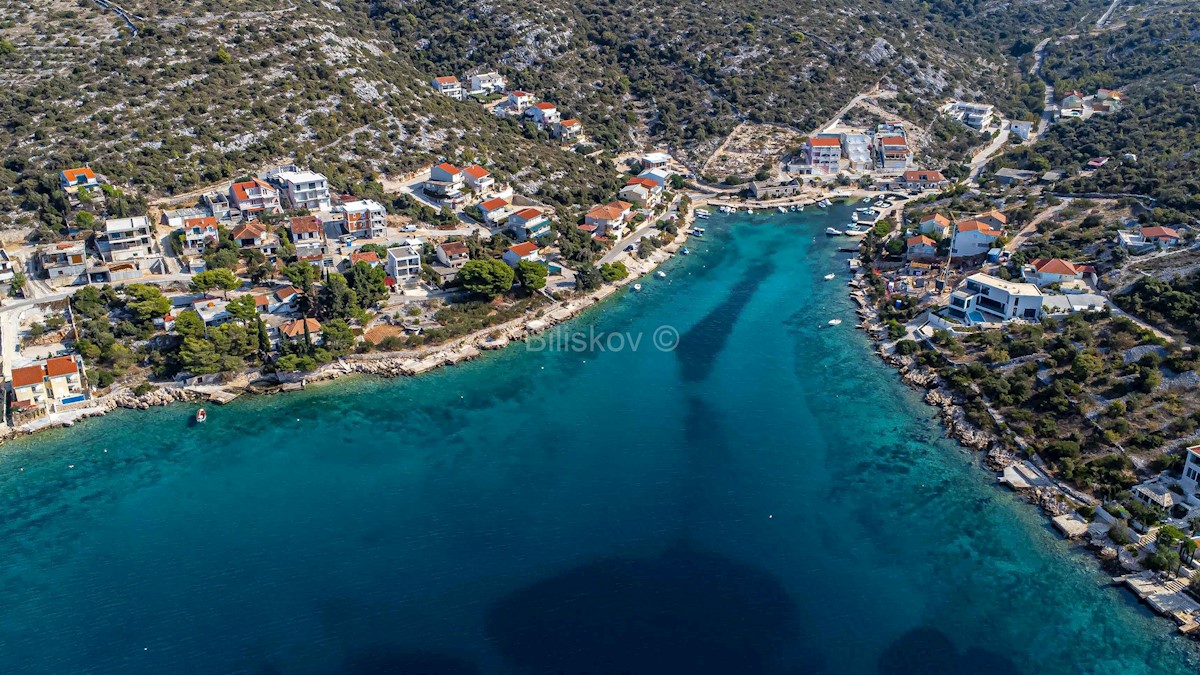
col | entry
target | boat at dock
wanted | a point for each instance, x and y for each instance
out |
(824, 203)
(832, 231)
(781, 209)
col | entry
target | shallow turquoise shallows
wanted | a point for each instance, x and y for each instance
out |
(765, 498)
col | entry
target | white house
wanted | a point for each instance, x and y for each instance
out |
(7, 268)
(822, 155)
(1149, 238)
(496, 211)
(526, 251)
(448, 85)
(568, 130)
(857, 148)
(543, 113)
(452, 254)
(198, 233)
(641, 191)
(1191, 470)
(126, 239)
(655, 160)
(404, 263)
(660, 176)
(935, 224)
(893, 152)
(446, 182)
(606, 219)
(487, 83)
(253, 197)
(528, 224)
(971, 238)
(520, 100)
(985, 298)
(1022, 128)
(303, 189)
(1047, 271)
(478, 178)
(71, 180)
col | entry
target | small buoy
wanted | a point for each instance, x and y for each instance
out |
(297, 419)
(771, 516)
(106, 449)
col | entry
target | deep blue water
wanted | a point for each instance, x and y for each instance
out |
(766, 498)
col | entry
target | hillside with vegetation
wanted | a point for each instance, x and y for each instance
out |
(204, 91)
(1154, 58)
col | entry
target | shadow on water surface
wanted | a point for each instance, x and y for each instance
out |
(699, 348)
(685, 611)
(927, 651)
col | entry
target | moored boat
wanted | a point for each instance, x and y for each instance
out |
(684, 250)
(781, 209)
(832, 231)
(829, 276)
(660, 274)
(201, 416)
(637, 287)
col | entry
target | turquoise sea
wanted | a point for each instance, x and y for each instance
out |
(765, 498)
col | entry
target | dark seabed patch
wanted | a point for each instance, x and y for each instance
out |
(702, 344)
(685, 611)
(927, 651)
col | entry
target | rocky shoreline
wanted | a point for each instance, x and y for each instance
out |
(387, 364)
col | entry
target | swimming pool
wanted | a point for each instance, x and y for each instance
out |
(975, 317)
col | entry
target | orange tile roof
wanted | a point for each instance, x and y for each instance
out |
(204, 222)
(366, 257)
(1055, 266)
(251, 230)
(604, 212)
(61, 365)
(997, 215)
(449, 168)
(893, 140)
(240, 189)
(476, 171)
(520, 94)
(624, 206)
(976, 226)
(544, 106)
(527, 214)
(937, 218)
(524, 249)
(570, 123)
(305, 224)
(72, 175)
(644, 182)
(294, 329)
(493, 204)
(919, 240)
(1159, 231)
(446, 79)
(28, 376)
(823, 142)
(923, 177)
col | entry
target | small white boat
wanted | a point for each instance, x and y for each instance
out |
(835, 322)
(866, 200)
(660, 274)
(781, 209)
(201, 416)
(832, 231)
(684, 250)
(637, 287)
(830, 276)
(750, 211)
(705, 212)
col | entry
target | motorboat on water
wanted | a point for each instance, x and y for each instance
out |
(781, 209)
(832, 231)
(698, 232)
(201, 416)
(684, 250)
(835, 322)
(830, 276)
(660, 274)
(750, 210)
(637, 287)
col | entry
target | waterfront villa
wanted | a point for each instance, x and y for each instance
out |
(919, 180)
(643, 192)
(527, 251)
(528, 224)
(774, 189)
(857, 149)
(294, 330)
(988, 299)
(893, 152)
(972, 238)
(49, 385)
(448, 85)
(822, 156)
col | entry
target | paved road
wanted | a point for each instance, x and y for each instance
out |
(646, 228)
(1107, 14)
(1048, 101)
(981, 158)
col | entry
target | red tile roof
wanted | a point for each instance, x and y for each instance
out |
(937, 218)
(544, 106)
(605, 212)
(919, 240)
(995, 215)
(644, 182)
(520, 94)
(570, 123)
(251, 230)
(1055, 266)
(61, 365)
(204, 222)
(449, 168)
(361, 256)
(476, 171)
(524, 249)
(823, 142)
(976, 226)
(893, 140)
(923, 177)
(446, 79)
(240, 189)
(1159, 232)
(453, 248)
(305, 224)
(28, 376)
(527, 214)
(493, 204)
(295, 329)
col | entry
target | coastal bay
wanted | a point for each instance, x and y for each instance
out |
(768, 491)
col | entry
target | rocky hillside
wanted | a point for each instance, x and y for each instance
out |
(175, 95)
